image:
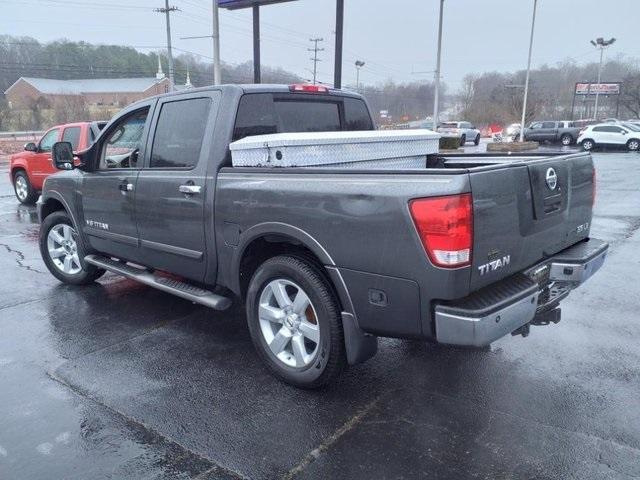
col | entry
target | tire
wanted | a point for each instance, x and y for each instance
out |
(309, 351)
(463, 140)
(57, 234)
(23, 189)
(566, 140)
(476, 142)
(588, 144)
(633, 145)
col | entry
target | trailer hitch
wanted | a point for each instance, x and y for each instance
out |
(543, 318)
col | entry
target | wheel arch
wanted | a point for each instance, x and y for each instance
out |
(267, 240)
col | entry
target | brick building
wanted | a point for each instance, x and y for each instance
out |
(94, 91)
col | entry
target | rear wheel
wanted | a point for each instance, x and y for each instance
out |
(633, 145)
(463, 140)
(588, 144)
(566, 140)
(476, 142)
(61, 251)
(295, 322)
(25, 192)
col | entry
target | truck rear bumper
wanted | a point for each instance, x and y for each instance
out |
(505, 306)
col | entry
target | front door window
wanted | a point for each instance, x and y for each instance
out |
(124, 142)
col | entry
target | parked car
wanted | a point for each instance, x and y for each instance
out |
(324, 263)
(465, 130)
(609, 134)
(564, 132)
(29, 169)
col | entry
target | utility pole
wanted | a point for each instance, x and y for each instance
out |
(337, 74)
(315, 58)
(215, 36)
(436, 95)
(526, 81)
(600, 43)
(359, 65)
(167, 11)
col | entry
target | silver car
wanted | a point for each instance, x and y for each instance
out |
(465, 130)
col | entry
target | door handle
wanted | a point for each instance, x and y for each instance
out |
(126, 187)
(189, 189)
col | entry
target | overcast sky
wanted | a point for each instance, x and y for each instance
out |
(396, 38)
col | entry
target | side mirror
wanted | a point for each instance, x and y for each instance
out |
(62, 155)
(30, 147)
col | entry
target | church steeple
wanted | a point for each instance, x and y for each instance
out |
(160, 73)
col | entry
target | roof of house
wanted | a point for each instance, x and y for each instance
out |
(89, 85)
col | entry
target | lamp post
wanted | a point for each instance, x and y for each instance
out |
(526, 81)
(600, 43)
(436, 93)
(359, 65)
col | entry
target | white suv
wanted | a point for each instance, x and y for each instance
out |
(465, 130)
(609, 134)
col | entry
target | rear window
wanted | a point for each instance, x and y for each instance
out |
(449, 125)
(296, 116)
(356, 115)
(265, 113)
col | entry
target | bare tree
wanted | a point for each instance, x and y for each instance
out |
(70, 108)
(630, 99)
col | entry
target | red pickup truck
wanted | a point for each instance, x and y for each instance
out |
(29, 169)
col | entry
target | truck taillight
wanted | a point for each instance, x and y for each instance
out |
(445, 226)
(308, 88)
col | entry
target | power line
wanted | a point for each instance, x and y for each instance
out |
(315, 58)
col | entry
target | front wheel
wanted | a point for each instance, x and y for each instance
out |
(476, 142)
(588, 144)
(566, 140)
(633, 145)
(24, 191)
(295, 322)
(463, 140)
(61, 251)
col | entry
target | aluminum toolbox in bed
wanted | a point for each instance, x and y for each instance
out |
(387, 149)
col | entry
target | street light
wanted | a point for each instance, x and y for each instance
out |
(600, 43)
(436, 93)
(526, 81)
(359, 65)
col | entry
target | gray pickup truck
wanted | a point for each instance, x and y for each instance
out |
(565, 132)
(463, 251)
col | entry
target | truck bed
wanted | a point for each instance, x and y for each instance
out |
(361, 219)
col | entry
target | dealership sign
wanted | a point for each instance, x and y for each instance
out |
(235, 4)
(597, 88)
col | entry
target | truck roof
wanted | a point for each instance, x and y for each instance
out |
(255, 88)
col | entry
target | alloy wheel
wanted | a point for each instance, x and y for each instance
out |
(63, 249)
(22, 188)
(289, 323)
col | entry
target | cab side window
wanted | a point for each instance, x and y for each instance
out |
(72, 135)
(46, 142)
(179, 133)
(121, 148)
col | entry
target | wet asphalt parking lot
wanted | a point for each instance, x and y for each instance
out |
(117, 380)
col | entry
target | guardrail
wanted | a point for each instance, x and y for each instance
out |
(26, 135)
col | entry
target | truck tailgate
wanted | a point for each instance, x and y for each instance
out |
(527, 212)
